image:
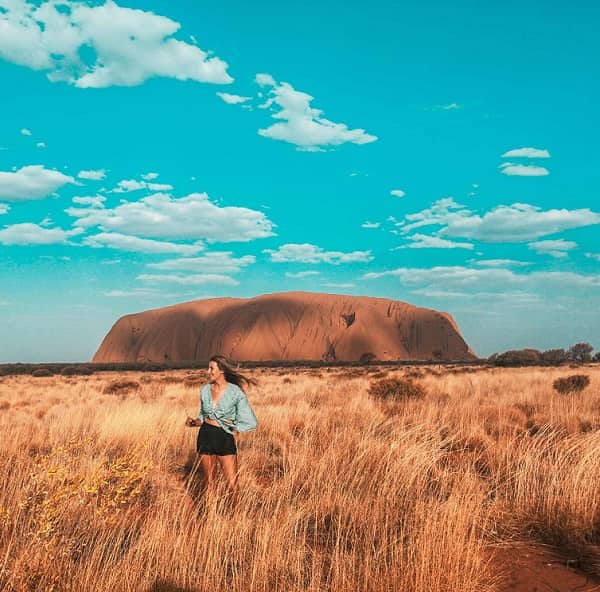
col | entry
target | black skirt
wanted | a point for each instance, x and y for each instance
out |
(214, 440)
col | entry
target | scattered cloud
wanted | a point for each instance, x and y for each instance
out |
(370, 225)
(555, 248)
(339, 285)
(515, 223)
(192, 217)
(424, 241)
(461, 279)
(127, 185)
(97, 201)
(124, 242)
(41, 145)
(96, 46)
(150, 176)
(97, 175)
(4, 208)
(499, 263)
(307, 253)
(31, 182)
(33, 234)
(189, 280)
(233, 99)
(214, 262)
(526, 153)
(301, 274)
(450, 107)
(595, 256)
(302, 125)
(24, 131)
(397, 193)
(523, 170)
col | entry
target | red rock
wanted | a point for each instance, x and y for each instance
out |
(286, 326)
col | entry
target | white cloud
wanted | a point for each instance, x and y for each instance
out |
(233, 99)
(301, 124)
(24, 131)
(523, 170)
(595, 256)
(526, 153)
(192, 217)
(41, 145)
(189, 280)
(124, 242)
(92, 175)
(150, 176)
(339, 285)
(424, 241)
(555, 248)
(307, 253)
(301, 274)
(214, 262)
(500, 263)
(96, 201)
(370, 224)
(33, 234)
(101, 46)
(493, 281)
(128, 185)
(31, 182)
(4, 208)
(515, 223)
(450, 107)
(397, 193)
(264, 80)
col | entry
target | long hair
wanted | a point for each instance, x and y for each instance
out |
(231, 374)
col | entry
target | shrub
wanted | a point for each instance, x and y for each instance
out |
(76, 371)
(581, 352)
(518, 357)
(121, 387)
(555, 357)
(571, 384)
(394, 389)
(41, 372)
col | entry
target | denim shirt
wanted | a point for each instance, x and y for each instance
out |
(232, 412)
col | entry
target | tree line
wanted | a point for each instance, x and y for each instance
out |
(579, 353)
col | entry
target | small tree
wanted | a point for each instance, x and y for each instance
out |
(596, 357)
(581, 352)
(555, 357)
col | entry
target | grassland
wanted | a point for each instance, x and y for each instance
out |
(338, 491)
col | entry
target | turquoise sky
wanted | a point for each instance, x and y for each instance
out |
(442, 154)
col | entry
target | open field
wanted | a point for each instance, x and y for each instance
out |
(338, 491)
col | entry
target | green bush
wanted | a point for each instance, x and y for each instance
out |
(41, 372)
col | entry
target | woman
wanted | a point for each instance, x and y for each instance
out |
(224, 412)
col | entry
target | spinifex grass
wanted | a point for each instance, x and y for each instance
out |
(339, 490)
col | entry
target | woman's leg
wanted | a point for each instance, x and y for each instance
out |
(229, 465)
(208, 462)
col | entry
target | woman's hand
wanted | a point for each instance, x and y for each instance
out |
(190, 422)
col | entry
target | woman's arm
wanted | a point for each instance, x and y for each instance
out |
(245, 419)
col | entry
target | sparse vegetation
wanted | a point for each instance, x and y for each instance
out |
(337, 492)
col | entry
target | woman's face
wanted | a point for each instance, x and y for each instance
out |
(214, 372)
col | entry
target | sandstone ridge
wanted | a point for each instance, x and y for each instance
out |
(286, 326)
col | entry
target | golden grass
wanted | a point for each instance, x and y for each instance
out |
(337, 491)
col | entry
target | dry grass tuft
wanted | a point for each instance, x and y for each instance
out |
(121, 387)
(396, 389)
(571, 384)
